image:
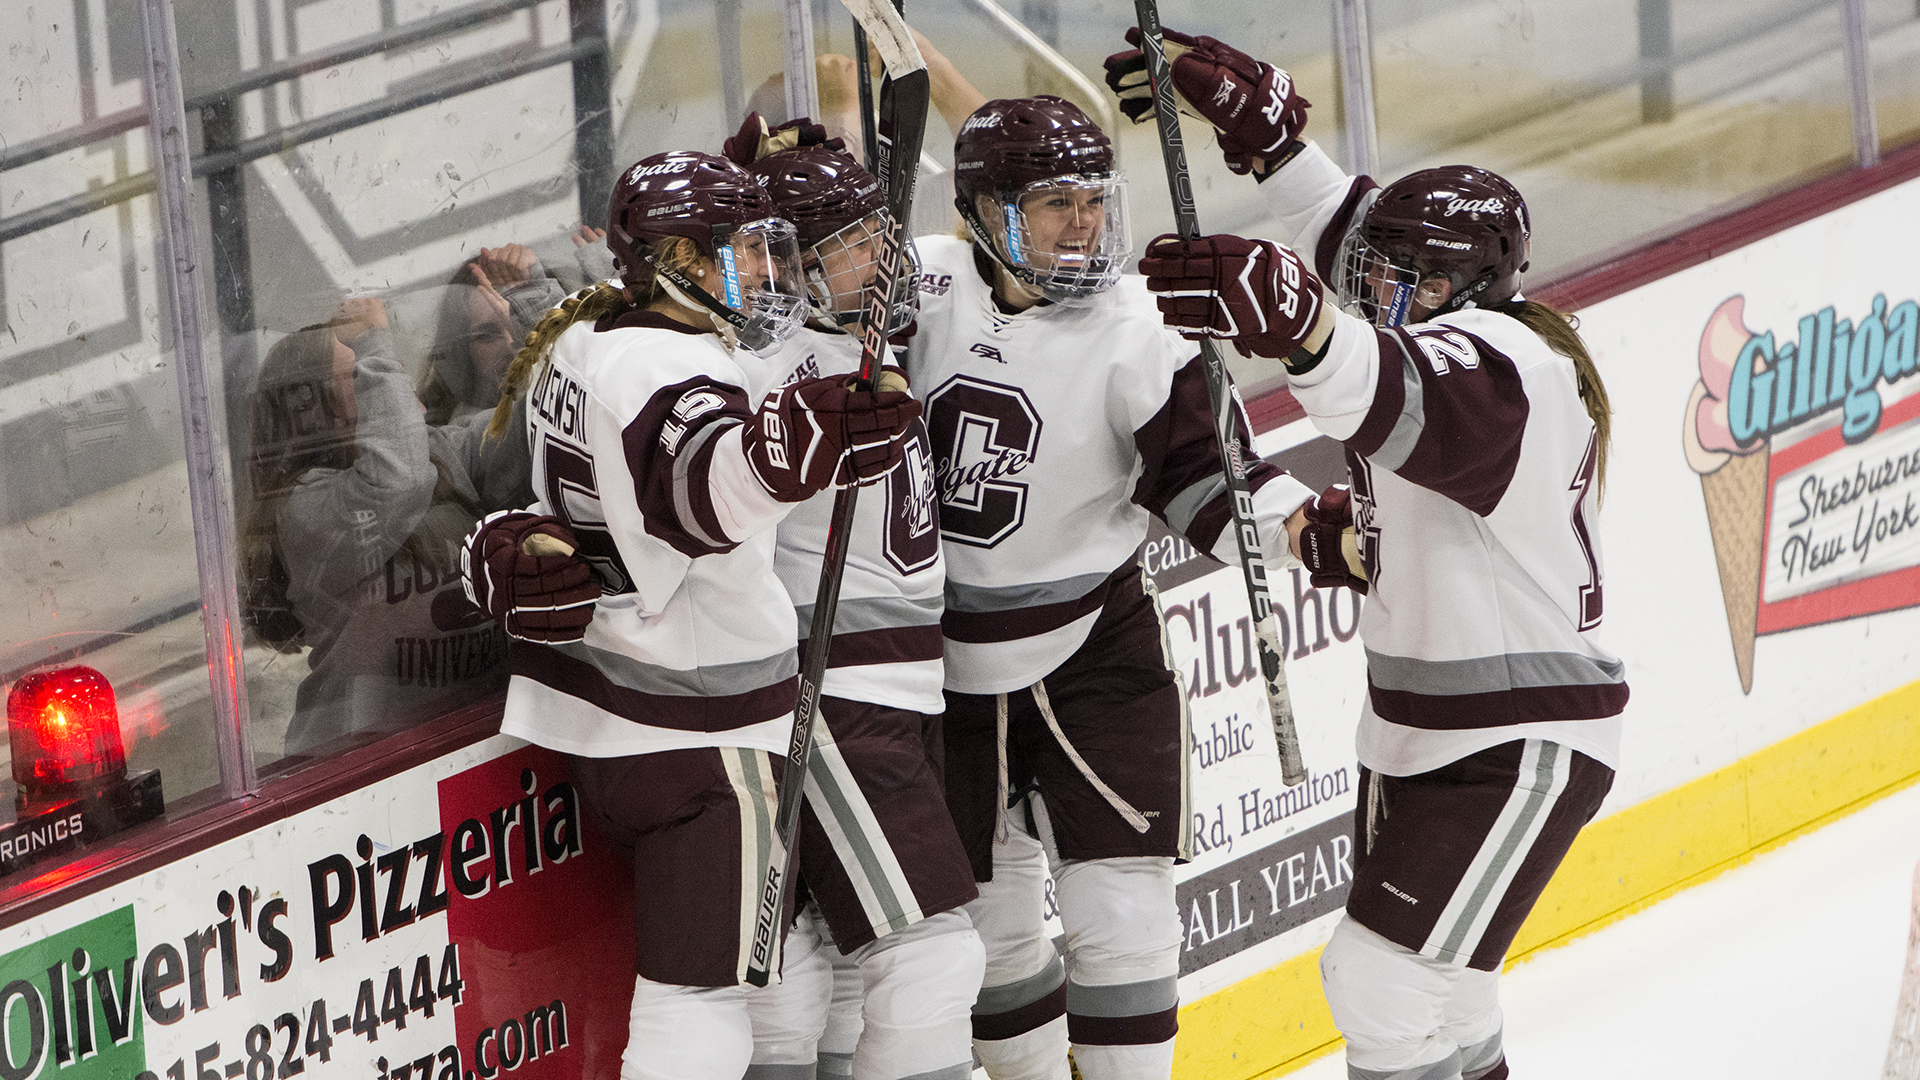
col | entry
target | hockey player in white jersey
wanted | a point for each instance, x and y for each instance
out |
(1475, 428)
(1063, 415)
(675, 698)
(878, 851)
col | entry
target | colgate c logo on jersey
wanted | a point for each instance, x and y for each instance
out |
(983, 433)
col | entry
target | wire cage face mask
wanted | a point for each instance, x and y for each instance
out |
(840, 267)
(1068, 236)
(1372, 285)
(760, 278)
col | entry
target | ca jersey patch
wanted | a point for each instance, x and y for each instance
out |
(984, 434)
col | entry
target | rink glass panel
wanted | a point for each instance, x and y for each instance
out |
(97, 563)
(1618, 120)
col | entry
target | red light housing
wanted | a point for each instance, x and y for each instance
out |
(63, 729)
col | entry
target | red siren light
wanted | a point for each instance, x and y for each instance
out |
(63, 729)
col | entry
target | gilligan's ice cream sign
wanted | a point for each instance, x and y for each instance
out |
(1808, 452)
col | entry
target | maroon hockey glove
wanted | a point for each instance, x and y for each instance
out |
(1253, 105)
(816, 433)
(756, 140)
(1256, 292)
(1332, 559)
(535, 596)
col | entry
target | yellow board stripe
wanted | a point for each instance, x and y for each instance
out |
(1277, 1021)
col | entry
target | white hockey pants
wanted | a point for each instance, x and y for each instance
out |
(1406, 1016)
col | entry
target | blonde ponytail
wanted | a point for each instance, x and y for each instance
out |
(588, 305)
(1561, 332)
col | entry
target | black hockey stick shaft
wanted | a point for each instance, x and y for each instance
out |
(1234, 457)
(863, 80)
(903, 100)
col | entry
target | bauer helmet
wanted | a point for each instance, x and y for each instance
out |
(843, 222)
(1457, 223)
(1055, 211)
(728, 216)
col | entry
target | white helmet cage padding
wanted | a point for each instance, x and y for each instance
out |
(1068, 237)
(760, 280)
(839, 267)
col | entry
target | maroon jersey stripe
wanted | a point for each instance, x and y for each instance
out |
(1389, 397)
(1499, 708)
(887, 645)
(1327, 252)
(724, 712)
(1476, 418)
(984, 627)
(653, 443)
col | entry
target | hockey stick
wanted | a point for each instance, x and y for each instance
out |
(903, 100)
(1232, 455)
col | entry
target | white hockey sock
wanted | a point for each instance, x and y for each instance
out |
(920, 986)
(686, 1032)
(1039, 1054)
(788, 1016)
(1152, 1061)
(843, 1017)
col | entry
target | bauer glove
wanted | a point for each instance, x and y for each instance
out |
(1252, 105)
(818, 433)
(1329, 545)
(520, 569)
(1255, 292)
(755, 140)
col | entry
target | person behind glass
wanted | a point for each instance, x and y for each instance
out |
(671, 676)
(878, 851)
(1064, 416)
(353, 538)
(487, 309)
(1476, 430)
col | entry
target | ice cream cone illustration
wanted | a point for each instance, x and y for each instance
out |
(1733, 480)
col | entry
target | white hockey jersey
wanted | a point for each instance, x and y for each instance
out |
(1056, 432)
(635, 430)
(1477, 504)
(886, 641)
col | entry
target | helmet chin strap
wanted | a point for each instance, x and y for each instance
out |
(730, 324)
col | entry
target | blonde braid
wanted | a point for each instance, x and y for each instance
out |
(586, 305)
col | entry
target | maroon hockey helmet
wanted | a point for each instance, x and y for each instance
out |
(680, 193)
(841, 214)
(761, 299)
(1463, 224)
(1022, 152)
(821, 191)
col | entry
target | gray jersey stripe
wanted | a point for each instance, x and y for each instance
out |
(856, 614)
(717, 680)
(1010, 996)
(962, 597)
(682, 493)
(1489, 674)
(1411, 423)
(1125, 999)
(1184, 507)
(778, 1072)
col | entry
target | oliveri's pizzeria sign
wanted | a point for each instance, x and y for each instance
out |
(1808, 453)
